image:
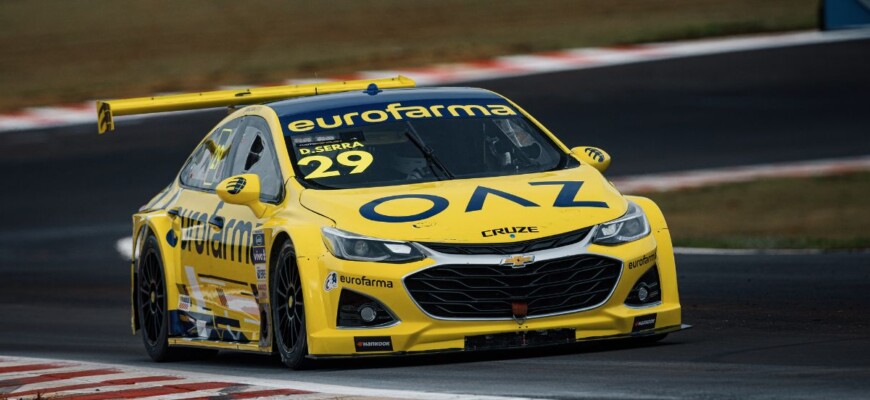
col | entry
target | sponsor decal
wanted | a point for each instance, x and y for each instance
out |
(509, 230)
(565, 198)
(327, 138)
(184, 302)
(644, 322)
(236, 185)
(482, 192)
(259, 239)
(171, 239)
(518, 261)
(438, 204)
(569, 191)
(262, 291)
(191, 324)
(105, 117)
(331, 281)
(232, 243)
(373, 343)
(329, 148)
(260, 269)
(640, 262)
(595, 154)
(363, 281)
(259, 255)
(377, 113)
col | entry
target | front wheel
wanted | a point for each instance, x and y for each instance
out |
(288, 310)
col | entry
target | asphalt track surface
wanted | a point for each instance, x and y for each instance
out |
(765, 326)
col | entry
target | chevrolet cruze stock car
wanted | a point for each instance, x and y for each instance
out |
(372, 218)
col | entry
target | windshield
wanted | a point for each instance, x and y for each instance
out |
(404, 143)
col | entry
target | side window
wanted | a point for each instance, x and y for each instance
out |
(256, 155)
(209, 163)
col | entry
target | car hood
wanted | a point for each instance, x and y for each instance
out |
(524, 207)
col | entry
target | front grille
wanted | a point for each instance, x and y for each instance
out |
(488, 291)
(526, 246)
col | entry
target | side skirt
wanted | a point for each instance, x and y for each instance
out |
(210, 344)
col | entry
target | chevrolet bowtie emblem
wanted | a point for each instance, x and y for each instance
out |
(518, 261)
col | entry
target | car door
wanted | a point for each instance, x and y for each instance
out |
(213, 246)
(255, 154)
(216, 256)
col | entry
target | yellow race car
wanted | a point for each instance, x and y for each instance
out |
(371, 218)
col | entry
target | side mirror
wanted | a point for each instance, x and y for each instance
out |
(592, 156)
(243, 190)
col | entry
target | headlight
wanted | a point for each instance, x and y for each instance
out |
(627, 228)
(350, 246)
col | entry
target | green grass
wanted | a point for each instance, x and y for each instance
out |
(821, 212)
(74, 50)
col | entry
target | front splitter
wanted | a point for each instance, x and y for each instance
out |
(530, 345)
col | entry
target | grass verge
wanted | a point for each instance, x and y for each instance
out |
(73, 50)
(819, 212)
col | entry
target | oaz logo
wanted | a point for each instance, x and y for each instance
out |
(236, 185)
(596, 154)
(565, 198)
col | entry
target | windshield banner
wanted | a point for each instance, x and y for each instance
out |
(362, 115)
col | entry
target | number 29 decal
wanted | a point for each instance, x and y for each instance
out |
(357, 159)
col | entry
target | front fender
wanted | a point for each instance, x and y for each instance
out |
(665, 251)
(308, 244)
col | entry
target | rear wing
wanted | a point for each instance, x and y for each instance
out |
(107, 110)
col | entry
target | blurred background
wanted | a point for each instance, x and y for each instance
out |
(730, 110)
(58, 51)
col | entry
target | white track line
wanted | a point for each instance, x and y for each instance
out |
(496, 68)
(744, 252)
(124, 246)
(707, 177)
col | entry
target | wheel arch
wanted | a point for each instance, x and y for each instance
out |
(158, 224)
(308, 246)
(664, 246)
(278, 240)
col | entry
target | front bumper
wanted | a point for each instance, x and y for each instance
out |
(416, 331)
(648, 333)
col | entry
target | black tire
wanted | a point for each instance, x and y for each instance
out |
(151, 307)
(288, 310)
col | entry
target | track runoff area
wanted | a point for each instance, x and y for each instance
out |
(34, 378)
(43, 378)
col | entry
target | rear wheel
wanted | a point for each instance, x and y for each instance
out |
(288, 310)
(151, 301)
